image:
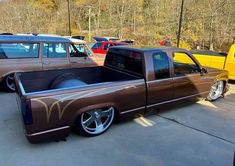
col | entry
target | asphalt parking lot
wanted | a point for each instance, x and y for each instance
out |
(199, 134)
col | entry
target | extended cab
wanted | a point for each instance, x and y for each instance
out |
(23, 52)
(218, 60)
(133, 81)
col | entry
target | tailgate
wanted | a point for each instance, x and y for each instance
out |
(24, 106)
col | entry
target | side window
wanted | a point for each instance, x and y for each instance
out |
(161, 65)
(72, 51)
(18, 50)
(106, 46)
(183, 64)
(78, 50)
(88, 51)
(54, 50)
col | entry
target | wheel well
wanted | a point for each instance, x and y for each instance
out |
(116, 115)
(225, 84)
(3, 77)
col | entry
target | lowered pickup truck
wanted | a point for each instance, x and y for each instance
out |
(218, 60)
(133, 81)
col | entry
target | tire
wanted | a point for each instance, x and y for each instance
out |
(216, 91)
(95, 122)
(8, 83)
(66, 80)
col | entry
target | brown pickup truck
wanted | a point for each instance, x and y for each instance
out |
(27, 52)
(133, 81)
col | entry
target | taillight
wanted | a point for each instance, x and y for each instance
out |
(26, 111)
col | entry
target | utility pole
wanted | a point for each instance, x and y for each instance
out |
(89, 23)
(180, 23)
(69, 17)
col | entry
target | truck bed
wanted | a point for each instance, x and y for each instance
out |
(45, 80)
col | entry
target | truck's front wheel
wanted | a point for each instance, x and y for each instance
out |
(95, 122)
(216, 91)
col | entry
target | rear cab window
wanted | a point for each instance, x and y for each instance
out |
(19, 50)
(126, 60)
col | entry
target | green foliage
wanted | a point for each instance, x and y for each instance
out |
(46, 5)
(205, 22)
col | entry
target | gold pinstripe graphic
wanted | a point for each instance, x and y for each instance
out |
(60, 100)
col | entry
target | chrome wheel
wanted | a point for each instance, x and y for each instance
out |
(97, 121)
(10, 83)
(216, 91)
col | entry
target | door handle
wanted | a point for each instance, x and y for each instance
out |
(73, 62)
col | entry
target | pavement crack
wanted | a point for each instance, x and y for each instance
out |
(193, 128)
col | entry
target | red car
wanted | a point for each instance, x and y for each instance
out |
(102, 44)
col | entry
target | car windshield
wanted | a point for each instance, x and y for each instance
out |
(96, 45)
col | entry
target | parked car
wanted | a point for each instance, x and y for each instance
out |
(132, 82)
(112, 39)
(101, 48)
(29, 52)
(101, 39)
(218, 60)
(104, 43)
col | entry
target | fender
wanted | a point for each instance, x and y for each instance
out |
(8, 73)
(223, 77)
(11, 72)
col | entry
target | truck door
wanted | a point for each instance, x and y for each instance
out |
(54, 55)
(188, 80)
(81, 56)
(160, 84)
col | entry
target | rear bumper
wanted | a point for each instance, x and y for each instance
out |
(48, 135)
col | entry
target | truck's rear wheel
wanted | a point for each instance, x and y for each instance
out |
(216, 91)
(95, 122)
(8, 83)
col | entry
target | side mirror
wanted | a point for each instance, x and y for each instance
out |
(203, 71)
